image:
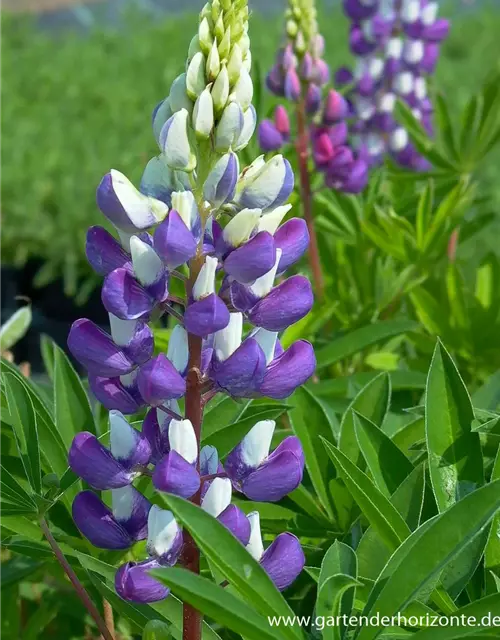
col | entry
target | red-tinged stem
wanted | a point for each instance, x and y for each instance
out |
(192, 619)
(302, 146)
(77, 585)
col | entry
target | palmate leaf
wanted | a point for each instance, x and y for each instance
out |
(425, 554)
(232, 560)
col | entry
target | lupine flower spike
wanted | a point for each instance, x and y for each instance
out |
(300, 75)
(397, 46)
(197, 211)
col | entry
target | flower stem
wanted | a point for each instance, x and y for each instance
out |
(302, 146)
(192, 619)
(108, 616)
(77, 585)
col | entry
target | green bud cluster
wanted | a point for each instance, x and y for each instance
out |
(302, 26)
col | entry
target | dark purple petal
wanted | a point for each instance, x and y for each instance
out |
(243, 372)
(206, 316)
(283, 560)
(96, 351)
(270, 139)
(112, 394)
(90, 460)
(97, 523)
(241, 296)
(173, 241)
(306, 66)
(284, 305)
(338, 134)
(431, 55)
(358, 178)
(175, 475)
(292, 85)
(128, 446)
(313, 99)
(133, 583)
(236, 521)
(141, 347)
(289, 370)
(158, 380)
(252, 259)
(438, 31)
(356, 10)
(105, 253)
(293, 239)
(157, 434)
(280, 474)
(275, 82)
(343, 76)
(131, 510)
(124, 297)
(358, 43)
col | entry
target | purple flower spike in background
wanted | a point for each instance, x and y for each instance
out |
(397, 43)
(204, 244)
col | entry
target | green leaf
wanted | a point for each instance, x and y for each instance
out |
(25, 429)
(156, 630)
(372, 401)
(309, 421)
(221, 413)
(15, 328)
(427, 552)
(482, 611)
(17, 569)
(334, 597)
(329, 602)
(218, 603)
(388, 465)
(408, 499)
(39, 621)
(360, 339)
(13, 492)
(229, 557)
(492, 551)
(375, 506)
(455, 459)
(72, 408)
(47, 349)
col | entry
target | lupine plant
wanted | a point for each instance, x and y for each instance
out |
(300, 74)
(200, 218)
(396, 43)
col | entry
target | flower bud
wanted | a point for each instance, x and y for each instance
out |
(148, 267)
(243, 90)
(195, 76)
(161, 114)
(205, 38)
(249, 124)
(270, 139)
(178, 97)
(270, 187)
(213, 62)
(240, 227)
(235, 64)
(220, 90)
(203, 115)
(164, 535)
(225, 44)
(205, 282)
(292, 85)
(229, 128)
(178, 350)
(175, 140)
(220, 185)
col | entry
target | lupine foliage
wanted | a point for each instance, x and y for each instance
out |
(384, 476)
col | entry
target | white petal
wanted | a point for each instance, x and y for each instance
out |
(123, 437)
(399, 139)
(185, 205)
(429, 13)
(420, 88)
(239, 228)
(122, 501)
(255, 546)
(227, 340)
(205, 282)
(218, 497)
(209, 459)
(122, 331)
(182, 439)
(394, 48)
(267, 341)
(137, 206)
(271, 221)
(162, 531)
(256, 444)
(148, 266)
(178, 350)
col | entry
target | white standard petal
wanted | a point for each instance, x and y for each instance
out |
(267, 342)
(182, 439)
(185, 204)
(122, 331)
(137, 206)
(123, 437)
(218, 497)
(256, 444)
(239, 228)
(209, 459)
(255, 546)
(178, 350)
(227, 340)
(205, 282)
(263, 285)
(122, 501)
(271, 221)
(148, 266)
(399, 139)
(162, 531)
